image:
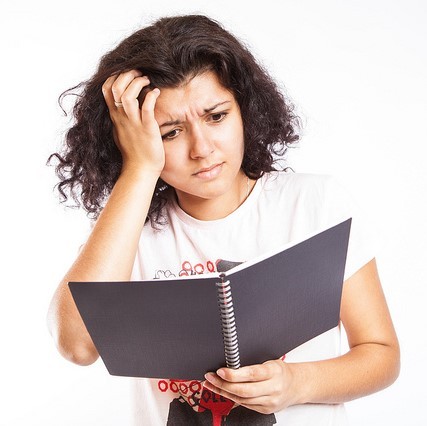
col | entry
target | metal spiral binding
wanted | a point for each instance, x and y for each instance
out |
(229, 330)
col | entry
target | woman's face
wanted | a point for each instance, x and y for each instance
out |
(202, 132)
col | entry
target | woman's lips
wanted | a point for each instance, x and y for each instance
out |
(209, 172)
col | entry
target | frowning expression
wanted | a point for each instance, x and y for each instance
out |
(202, 131)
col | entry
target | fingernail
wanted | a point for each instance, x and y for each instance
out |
(157, 90)
(221, 373)
(209, 376)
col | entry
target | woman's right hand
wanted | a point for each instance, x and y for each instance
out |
(136, 132)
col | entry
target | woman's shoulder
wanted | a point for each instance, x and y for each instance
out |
(320, 195)
(296, 183)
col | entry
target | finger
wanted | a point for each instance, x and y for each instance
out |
(115, 136)
(129, 98)
(241, 389)
(250, 373)
(147, 108)
(241, 397)
(106, 91)
(122, 82)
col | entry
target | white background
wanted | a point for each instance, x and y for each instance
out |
(357, 72)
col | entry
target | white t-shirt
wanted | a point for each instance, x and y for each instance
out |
(282, 208)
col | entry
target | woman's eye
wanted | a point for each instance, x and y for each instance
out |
(173, 134)
(219, 116)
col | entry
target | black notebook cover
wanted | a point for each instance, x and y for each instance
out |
(172, 328)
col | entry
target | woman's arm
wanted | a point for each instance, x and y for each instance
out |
(110, 251)
(372, 363)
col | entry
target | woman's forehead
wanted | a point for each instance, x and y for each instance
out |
(199, 95)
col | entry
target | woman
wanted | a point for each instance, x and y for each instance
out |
(174, 151)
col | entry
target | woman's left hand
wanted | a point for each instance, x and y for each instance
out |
(266, 388)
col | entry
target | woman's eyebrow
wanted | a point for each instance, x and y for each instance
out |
(170, 123)
(215, 106)
(206, 110)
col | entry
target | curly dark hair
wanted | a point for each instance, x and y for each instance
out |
(170, 52)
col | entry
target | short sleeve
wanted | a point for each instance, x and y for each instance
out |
(363, 242)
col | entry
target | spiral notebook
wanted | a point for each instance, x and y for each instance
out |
(182, 328)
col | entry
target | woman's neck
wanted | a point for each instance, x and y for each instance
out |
(217, 207)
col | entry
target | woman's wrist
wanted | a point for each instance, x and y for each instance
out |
(137, 173)
(300, 383)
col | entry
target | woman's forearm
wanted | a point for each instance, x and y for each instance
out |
(365, 369)
(108, 254)
(275, 385)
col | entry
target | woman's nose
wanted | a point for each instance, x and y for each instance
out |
(200, 144)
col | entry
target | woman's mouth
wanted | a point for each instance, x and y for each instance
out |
(210, 172)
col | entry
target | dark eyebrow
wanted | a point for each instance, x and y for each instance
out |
(170, 123)
(215, 106)
(206, 110)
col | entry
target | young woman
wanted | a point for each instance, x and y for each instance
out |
(174, 152)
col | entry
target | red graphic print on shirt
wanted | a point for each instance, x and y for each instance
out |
(199, 398)
(199, 268)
